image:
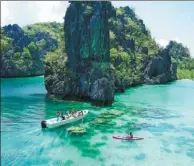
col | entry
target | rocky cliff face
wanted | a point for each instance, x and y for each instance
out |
(160, 70)
(88, 50)
(87, 33)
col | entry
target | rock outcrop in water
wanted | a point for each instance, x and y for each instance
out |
(88, 50)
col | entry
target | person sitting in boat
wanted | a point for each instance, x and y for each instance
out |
(80, 113)
(74, 114)
(62, 116)
(130, 135)
(74, 111)
(68, 115)
(58, 114)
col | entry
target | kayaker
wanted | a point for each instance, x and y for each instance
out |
(130, 135)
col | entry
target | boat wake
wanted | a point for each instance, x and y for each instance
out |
(33, 131)
(29, 132)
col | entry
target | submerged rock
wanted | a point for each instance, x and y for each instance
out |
(112, 113)
(77, 130)
(116, 112)
(102, 121)
(105, 118)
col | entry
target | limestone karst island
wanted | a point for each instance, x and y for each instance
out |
(89, 83)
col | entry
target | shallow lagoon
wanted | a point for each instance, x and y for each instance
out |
(164, 115)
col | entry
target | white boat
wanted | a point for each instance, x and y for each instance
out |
(52, 123)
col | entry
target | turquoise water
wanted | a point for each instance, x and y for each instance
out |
(164, 115)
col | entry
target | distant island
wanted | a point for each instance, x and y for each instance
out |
(23, 49)
(99, 50)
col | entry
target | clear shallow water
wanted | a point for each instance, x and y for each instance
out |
(164, 113)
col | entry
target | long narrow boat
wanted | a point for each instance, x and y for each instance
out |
(52, 123)
(127, 138)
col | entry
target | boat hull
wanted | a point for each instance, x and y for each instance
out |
(127, 138)
(53, 123)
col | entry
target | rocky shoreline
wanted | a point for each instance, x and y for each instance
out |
(22, 76)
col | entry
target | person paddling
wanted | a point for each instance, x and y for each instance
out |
(130, 135)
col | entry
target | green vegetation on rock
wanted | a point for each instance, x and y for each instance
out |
(23, 49)
(131, 45)
(57, 76)
(54, 29)
(181, 55)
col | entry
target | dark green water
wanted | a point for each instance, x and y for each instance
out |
(165, 114)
